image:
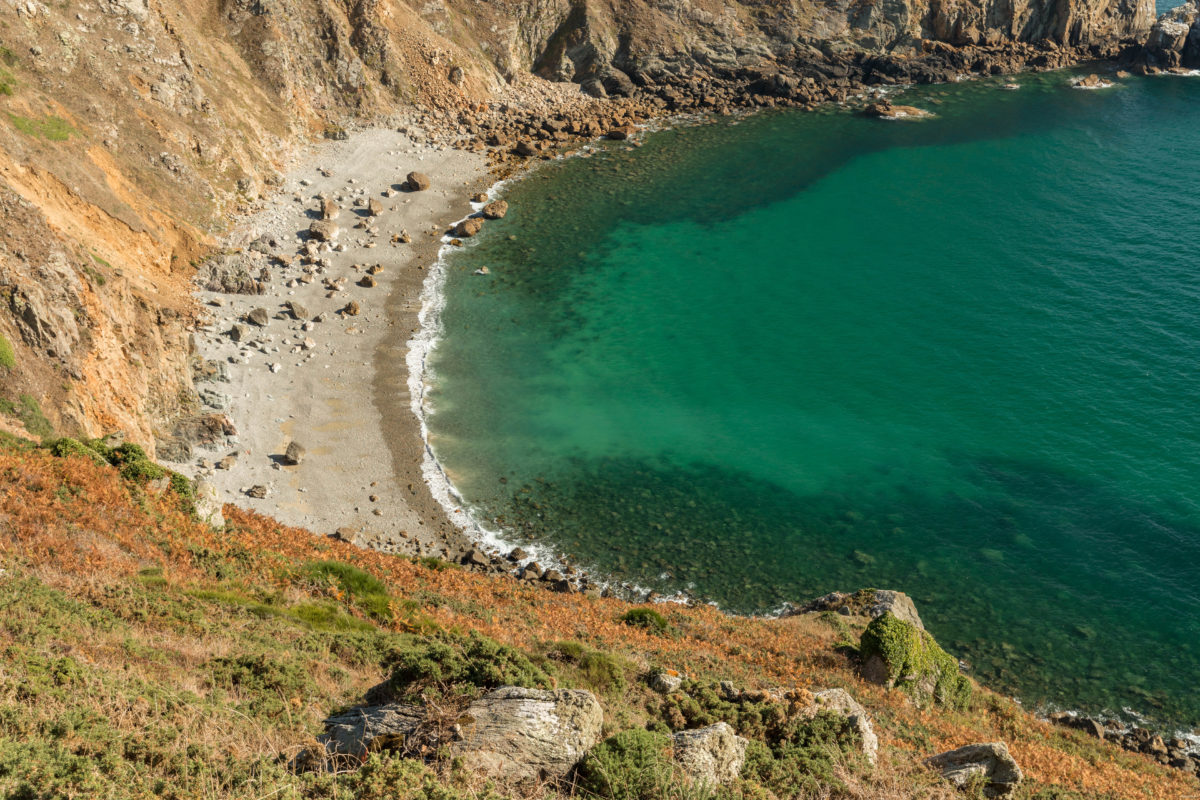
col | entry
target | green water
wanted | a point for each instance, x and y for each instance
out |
(770, 358)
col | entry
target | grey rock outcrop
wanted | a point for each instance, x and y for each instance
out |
(711, 756)
(870, 603)
(527, 735)
(839, 701)
(1174, 40)
(665, 681)
(208, 505)
(991, 760)
(362, 730)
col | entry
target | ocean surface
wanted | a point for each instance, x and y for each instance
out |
(766, 358)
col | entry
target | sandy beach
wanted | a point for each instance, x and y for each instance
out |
(332, 381)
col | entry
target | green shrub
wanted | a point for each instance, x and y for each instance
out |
(67, 447)
(266, 683)
(29, 412)
(915, 662)
(364, 590)
(450, 661)
(601, 672)
(800, 759)
(646, 618)
(632, 765)
(8, 358)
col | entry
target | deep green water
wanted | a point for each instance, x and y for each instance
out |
(770, 358)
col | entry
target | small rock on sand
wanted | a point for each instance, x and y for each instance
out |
(352, 309)
(259, 317)
(368, 281)
(329, 209)
(294, 454)
(258, 491)
(374, 207)
(418, 181)
(298, 310)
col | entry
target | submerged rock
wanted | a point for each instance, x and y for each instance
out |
(991, 761)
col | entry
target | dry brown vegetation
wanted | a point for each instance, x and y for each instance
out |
(123, 610)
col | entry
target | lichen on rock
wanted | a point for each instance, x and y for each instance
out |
(896, 653)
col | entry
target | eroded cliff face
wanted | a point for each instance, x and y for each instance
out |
(131, 130)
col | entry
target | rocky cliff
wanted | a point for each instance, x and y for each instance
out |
(133, 129)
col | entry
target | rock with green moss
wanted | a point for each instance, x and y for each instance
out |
(896, 653)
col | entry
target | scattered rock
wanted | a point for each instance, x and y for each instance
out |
(885, 110)
(294, 454)
(228, 462)
(476, 558)
(528, 735)
(329, 209)
(496, 209)
(1085, 724)
(417, 182)
(259, 317)
(665, 681)
(239, 333)
(479, 197)
(457, 76)
(991, 760)
(323, 230)
(710, 756)
(299, 311)
(374, 207)
(366, 729)
(258, 491)
(622, 133)
(351, 309)
(367, 280)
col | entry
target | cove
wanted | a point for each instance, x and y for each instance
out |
(766, 358)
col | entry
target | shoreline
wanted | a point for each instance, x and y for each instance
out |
(332, 381)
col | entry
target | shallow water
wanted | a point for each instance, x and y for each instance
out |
(767, 358)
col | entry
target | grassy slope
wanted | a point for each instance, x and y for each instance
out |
(142, 655)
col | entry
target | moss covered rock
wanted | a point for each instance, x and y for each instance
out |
(896, 653)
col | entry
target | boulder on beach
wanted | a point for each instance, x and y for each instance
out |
(323, 230)
(329, 209)
(417, 182)
(374, 207)
(468, 227)
(259, 317)
(621, 133)
(495, 210)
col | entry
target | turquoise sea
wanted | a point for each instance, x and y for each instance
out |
(765, 358)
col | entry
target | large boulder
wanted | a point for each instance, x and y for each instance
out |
(990, 762)
(896, 653)
(839, 701)
(710, 756)
(362, 730)
(528, 735)
(417, 182)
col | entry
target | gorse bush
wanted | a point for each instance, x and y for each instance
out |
(364, 590)
(449, 661)
(632, 765)
(646, 618)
